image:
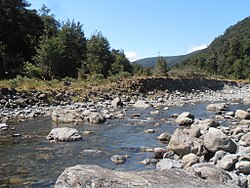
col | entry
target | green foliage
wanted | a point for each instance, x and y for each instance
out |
(98, 55)
(32, 70)
(227, 56)
(19, 33)
(62, 55)
(161, 68)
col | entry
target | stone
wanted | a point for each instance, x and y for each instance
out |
(205, 124)
(155, 112)
(189, 160)
(245, 140)
(159, 152)
(209, 172)
(118, 159)
(81, 176)
(218, 156)
(227, 162)
(95, 118)
(66, 116)
(243, 167)
(242, 114)
(64, 134)
(149, 131)
(217, 107)
(164, 136)
(183, 143)
(148, 161)
(168, 164)
(246, 100)
(142, 104)
(117, 102)
(215, 140)
(185, 118)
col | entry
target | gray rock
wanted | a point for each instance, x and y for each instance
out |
(205, 124)
(216, 140)
(218, 156)
(81, 176)
(117, 102)
(185, 118)
(189, 160)
(66, 116)
(64, 134)
(95, 118)
(217, 107)
(183, 143)
(243, 167)
(245, 140)
(148, 161)
(227, 161)
(168, 164)
(209, 172)
(164, 136)
(149, 131)
(142, 104)
(242, 114)
(118, 159)
(246, 100)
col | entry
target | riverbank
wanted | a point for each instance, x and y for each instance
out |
(18, 105)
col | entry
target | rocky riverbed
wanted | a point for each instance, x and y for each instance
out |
(201, 146)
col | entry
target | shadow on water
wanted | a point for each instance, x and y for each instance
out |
(34, 161)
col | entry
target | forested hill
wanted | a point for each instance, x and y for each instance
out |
(228, 55)
(171, 60)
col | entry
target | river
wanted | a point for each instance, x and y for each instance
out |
(33, 161)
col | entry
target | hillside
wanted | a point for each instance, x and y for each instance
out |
(171, 60)
(228, 55)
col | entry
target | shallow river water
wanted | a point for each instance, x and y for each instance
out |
(33, 161)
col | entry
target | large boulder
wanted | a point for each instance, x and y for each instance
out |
(81, 176)
(142, 104)
(243, 167)
(215, 140)
(227, 162)
(217, 107)
(183, 143)
(185, 119)
(64, 134)
(246, 100)
(209, 172)
(242, 114)
(66, 116)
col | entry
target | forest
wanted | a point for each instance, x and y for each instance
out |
(228, 56)
(34, 44)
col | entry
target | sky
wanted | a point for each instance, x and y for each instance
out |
(148, 28)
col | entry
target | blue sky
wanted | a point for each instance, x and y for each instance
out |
(145, 28)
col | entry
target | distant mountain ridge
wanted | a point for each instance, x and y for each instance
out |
(171, 60)
(227, 56)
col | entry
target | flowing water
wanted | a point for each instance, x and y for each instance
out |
(33, 161)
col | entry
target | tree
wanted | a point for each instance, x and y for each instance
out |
(120, 63)
(20, 30)
(62, 55)
(161, 68)
(99, 57)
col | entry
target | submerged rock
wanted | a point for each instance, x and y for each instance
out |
(217, 107)
(64, 134)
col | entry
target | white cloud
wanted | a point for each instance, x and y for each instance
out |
(195, 48)
(132, 56)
